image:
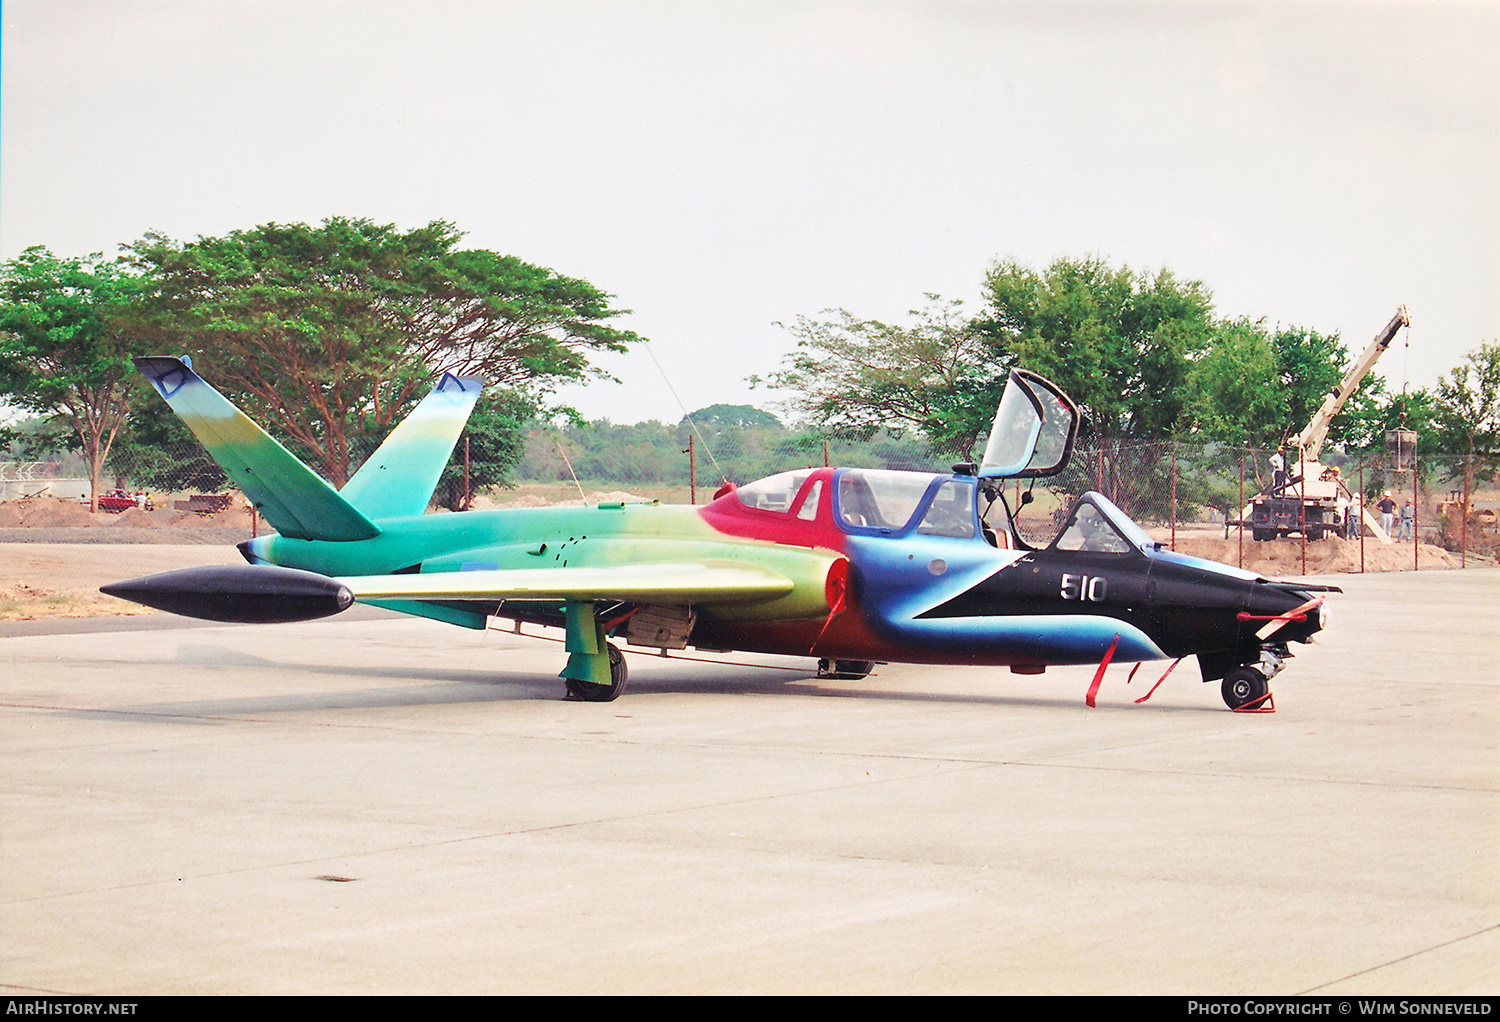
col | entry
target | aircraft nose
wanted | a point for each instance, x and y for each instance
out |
(1283, 614)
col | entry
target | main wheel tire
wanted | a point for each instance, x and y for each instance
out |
(1262, 535)
(1242, 686)
(590, 692)
(1314, 534)
(848, 669)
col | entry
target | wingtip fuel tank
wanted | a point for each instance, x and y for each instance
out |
(242, 594)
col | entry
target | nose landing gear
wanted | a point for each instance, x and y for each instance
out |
(1248, 687)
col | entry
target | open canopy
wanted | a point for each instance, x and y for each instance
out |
(1034, 429)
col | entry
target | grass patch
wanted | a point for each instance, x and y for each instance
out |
(20, 602)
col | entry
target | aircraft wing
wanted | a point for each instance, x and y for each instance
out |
(672, 584)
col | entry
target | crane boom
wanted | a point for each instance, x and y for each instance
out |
(1312, 436)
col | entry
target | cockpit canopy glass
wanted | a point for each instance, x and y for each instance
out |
(951, 512)
(773, 493)
(876, 499)
(880, 499)
(1032, 435)
(1095, 525)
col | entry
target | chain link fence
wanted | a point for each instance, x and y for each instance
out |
(1170, 488)
(1176, 486)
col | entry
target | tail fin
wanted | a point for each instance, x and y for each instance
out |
(398, 479)
(294, 499)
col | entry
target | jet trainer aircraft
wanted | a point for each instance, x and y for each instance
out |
(851, 566)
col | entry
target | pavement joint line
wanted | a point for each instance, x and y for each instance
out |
(1396, 961)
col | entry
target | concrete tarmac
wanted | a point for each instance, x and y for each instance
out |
(379, 804)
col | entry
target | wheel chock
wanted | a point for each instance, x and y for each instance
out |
(1265, 704)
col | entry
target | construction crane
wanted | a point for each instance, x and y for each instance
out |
(1307, 497)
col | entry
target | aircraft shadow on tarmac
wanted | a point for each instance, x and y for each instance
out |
(457, 686)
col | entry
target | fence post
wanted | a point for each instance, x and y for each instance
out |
(1174, 498)
(1463, 541)
(1302, 502)
(1242, 511)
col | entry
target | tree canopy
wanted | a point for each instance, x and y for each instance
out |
(1254, 386)
(853, 378)
(1119, 343)
(65, 347)
(329, 334)
(1142, 354)
(1468, 410)
(1469, 402)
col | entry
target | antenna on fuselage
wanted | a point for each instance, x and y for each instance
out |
(569, 462)
(686, 414)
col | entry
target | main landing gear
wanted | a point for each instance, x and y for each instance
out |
(590, 692)
(849, 669)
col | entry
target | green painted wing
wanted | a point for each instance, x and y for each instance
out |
(672, 584)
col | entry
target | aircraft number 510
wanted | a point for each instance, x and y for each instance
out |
(1084, 587)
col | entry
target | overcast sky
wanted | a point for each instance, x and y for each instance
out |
(720, 166)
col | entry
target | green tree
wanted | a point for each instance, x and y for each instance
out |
(65, 346)
(492, 443)
(1232, 391)
(1254, 387)
(734, 416)
(852, 378)
(1468, 411)
(155, 450)
(1119, 343)
(330, 333)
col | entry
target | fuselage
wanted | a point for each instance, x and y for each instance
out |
(886, 566)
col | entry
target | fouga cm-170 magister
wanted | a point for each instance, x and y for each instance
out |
(853, 567)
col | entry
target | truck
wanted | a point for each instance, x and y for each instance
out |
(1305, 495)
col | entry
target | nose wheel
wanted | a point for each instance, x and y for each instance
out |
(1248, 687)
(1244, 686)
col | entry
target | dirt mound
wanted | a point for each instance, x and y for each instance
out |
(616, 497)
(49, 514)
(10, 518)
(191, 520)
(525, 500)
(533, 500)
(234, 517)
(1328, 556)
(132, 516)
